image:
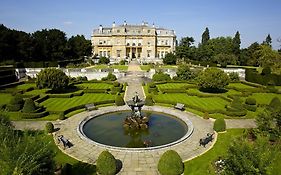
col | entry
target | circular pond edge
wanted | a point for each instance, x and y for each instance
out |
(174, 113)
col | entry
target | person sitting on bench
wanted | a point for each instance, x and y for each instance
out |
(64, 141)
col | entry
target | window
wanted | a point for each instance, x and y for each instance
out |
(134, 44)
(166, 42)
(139, 44)
(139, 31)
(100, 53)
(148, 43)
(148, 53)
(148, 31)
(118, 31)
(104, 53)
(108, 54)
(128, 44)
(118, 53)
(118, 41)
(100, 41)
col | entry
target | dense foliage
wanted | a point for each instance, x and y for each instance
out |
(45, 45)
(16, 103)
(23, 153)
(106, 164)
(52, 78)
(184, 73)
(170, 58)
(170, 163)
(104, 60)
(212, 79)
(149, 100)
(119, 101)
(49, 127)
(160, 76)
(110, 77)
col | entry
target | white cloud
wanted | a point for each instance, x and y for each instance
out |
(67, 22)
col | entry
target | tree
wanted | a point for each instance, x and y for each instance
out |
(186, 41)
(106, 164)
(225, 59)
(52, 78)
(265, 121)
(160, 76)
(248, 56)
(170, 59)
(268, 40)
(212, 79)
(170, 163)
(236, 44)
(78, 46)
(104, 60)
(184, 73)
(205, 36)
(249, 158)
(110, 77)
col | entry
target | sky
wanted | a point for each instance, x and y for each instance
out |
(254, 19)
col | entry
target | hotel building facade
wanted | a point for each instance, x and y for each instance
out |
(128, 42)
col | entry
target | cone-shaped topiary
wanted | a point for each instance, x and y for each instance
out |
(170, 163)
(29, 106)
(274, 104)
(219, 125)
(49, 127)
(15, 103)
(119, 101)
(106, 164)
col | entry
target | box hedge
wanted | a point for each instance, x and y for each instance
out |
(170, 163)
(106, 164)
(219, 125)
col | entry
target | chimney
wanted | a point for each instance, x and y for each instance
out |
(113, 24)
(153, 25)
(125, 23)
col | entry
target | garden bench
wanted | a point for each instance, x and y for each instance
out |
(90, 107)
(205, 140)
(66, 143)
(179, 106)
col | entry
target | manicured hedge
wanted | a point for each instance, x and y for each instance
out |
(106, 164)
(251, 101)
(41, 99)
(208, 95)
(33, 115)
(49, 127)
(95, 90)
(255, 77)
(29, 106)
(219, 125)
(170, 163)
(149, 100)
(119, 101)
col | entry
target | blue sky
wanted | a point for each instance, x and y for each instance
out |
(254, 19)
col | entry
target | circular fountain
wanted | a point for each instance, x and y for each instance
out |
(141, 128)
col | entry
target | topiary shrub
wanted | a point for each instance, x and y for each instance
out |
(152, 85)
(170, 163)
(15, 103)
(110, 77)
(266, 71)
(274, 104)
(29, 106)
(49, 127)
(61, 116)
(206, 116)
(116, 84)
(106, 164)
(119, 101)
(251, 101)
(219, 125)
(149, 100)
(234, 76)
(160, 76)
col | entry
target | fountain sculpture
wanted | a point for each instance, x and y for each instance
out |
(136, 120)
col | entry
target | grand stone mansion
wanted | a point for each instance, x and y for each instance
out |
(127, 42)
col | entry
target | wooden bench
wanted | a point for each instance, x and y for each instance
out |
(179, 106)
(90, 107)
(66, 143)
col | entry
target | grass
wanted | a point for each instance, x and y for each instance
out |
(265, 98)
(240, 86)
(26, 86)
(36, 92)
(172, 85)
(103, 66)
(145, 67)
(5, 98)
(61, 104)
(202, 165)
(95, 85)
(209, 103)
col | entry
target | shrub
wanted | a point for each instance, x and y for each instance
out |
(62, 116)
(219, 125)
(52, 78)
(236, 105)
(110, 77)
(170, 163)
(152, 85)
(119, 101)
(106, 164)
(274, 104)
(184, 73)
(160, 76)
(266, 71)
(206, 116)
(212, 79)
(16, 103)
(29, 106)
(233, 76)
(116, 84)
(251, 101)
(104, 60)
(49, 127)
(149, 100)
(170, 58)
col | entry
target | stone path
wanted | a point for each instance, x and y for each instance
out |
(134, 162)
(31, 125)
(240, 123)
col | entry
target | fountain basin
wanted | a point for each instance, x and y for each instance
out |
(104, 128)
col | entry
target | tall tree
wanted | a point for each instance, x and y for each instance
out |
(205, 36)
(186, 41)
(78, 46)
(268, 40)
(236, 44)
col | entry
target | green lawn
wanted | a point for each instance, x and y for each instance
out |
(5, 98)
(95, 85)
(36, 92)
(26, 86)
(145, 67)
(210, 103)
(120, 67)
(61, 104)
(103, 66)
(172, 85)
(202, 165)
(229, 92)
(240, 86)
(265, 98)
